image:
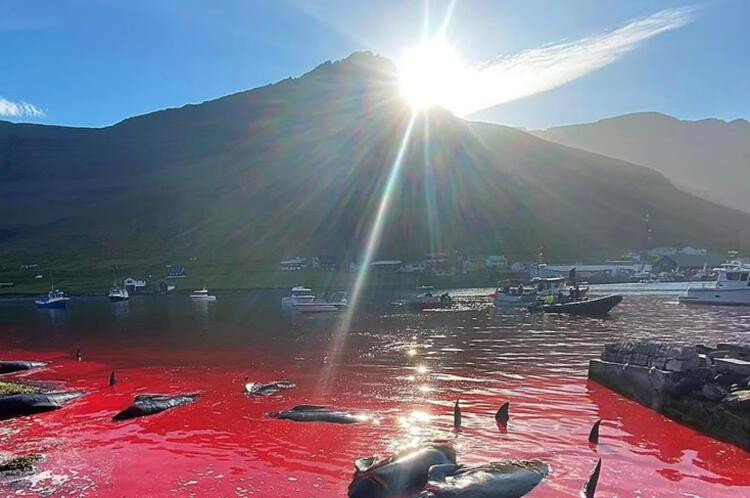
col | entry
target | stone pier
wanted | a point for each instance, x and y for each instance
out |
(703, 387)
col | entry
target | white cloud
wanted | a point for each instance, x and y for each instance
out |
(12, 109)
(540, 69)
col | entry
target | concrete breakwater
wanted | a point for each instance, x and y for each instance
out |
(703, 387)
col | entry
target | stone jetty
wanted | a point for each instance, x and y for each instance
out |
(703, 387)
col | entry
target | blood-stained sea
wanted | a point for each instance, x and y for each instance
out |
(406, 369)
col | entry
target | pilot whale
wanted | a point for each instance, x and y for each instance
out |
(316, 413)
(17, 405)
(268, 389)
(405, 472)
(509, 479)
(151, 404)
(18, 366)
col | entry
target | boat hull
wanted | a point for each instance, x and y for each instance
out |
(721, 297)
(58, 304)
(510, 301)
(590, 307)
(320, 307)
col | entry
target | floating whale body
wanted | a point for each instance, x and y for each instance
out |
(269, 389)
(510, 479)
(151, 404)
(316, 413)
(17, 405)
(400, 474)
(18, 366)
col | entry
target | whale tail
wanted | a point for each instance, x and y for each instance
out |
(594, 434)
(112, 378)
(457, 416)
(589, 489)
(503, 414)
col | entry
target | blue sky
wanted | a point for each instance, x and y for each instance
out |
(93, 62)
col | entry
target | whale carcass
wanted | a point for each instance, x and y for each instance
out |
(150, 404)
(402, 473)
(316, 413)
(17, 405)
(510, 479)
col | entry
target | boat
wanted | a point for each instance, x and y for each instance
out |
(731, 287)
(586, 307)
(338, 302)
(429, 302)
(55, 299)
(202, 295)
(117, 293)
(298, 295)
(509, 293)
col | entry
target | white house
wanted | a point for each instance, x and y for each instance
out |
(133, 285)
(693, 251)
(662, 251)
(413, 268)
(294, 264)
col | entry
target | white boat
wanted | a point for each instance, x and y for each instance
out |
(303, 300)
(298, 295)
(202, 295)
(338, 302)
(731, 287)
(54, 299)
(117, 293)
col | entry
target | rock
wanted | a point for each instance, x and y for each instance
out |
(738, 401)
(733, 366)
(19, 465)
(713, 392)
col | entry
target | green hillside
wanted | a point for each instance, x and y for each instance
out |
(298, 167)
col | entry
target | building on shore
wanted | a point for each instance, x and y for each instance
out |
(293, 264)
(134, 285)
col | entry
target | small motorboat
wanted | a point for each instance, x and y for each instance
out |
(587, 307)
(429, 302)
(117, 293)
(511, 293)
(338, 302)
(298, 295)
(54, 299)
(202, 295)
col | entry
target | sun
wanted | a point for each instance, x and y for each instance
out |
(432, 74)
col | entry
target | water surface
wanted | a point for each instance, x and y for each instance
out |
(406, 368)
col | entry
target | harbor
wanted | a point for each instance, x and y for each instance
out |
(417, 364)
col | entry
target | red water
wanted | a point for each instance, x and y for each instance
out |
(407, 370)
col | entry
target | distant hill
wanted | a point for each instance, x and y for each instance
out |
(298, 167)
(710, 157)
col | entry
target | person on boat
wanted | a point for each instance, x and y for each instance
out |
(550, 299)
(560, 296)
(572, 295)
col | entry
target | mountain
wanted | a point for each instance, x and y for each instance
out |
(299, 167)
(710, 157)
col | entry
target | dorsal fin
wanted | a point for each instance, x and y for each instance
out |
(594, 434)
(589, 490)
(503, 413)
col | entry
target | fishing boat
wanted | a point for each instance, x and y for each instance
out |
(117, 293)
(587, 307)
(731, 287)
(298, 295)
(509, 293)
(429, 302)
(202, 295)
(55, 298)
(338, 302)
